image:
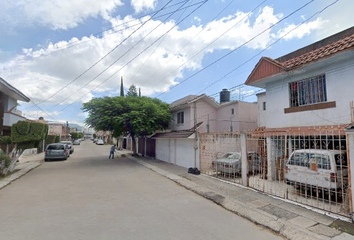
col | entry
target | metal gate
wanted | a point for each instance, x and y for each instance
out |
(308, 166)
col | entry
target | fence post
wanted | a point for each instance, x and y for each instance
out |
(350, 150)
(271, 173)
(244, 170)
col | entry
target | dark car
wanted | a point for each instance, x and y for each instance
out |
(56, 151)
(70, 145)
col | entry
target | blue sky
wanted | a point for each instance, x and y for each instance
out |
(63, 53)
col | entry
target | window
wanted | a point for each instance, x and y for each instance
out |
(232, 111)
(180, 117)
(308, 91)
(264, 106)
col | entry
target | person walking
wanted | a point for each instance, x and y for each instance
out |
(111, 152)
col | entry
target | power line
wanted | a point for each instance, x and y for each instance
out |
(153, 51)
(205, 48)
(103, 56)
(175, 54)
(202, 3)
(225, 55)
(122, 24)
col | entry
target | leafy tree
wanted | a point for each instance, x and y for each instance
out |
(132, 92)
(136, 116)
(121, 87)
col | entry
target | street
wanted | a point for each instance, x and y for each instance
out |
(92, 197)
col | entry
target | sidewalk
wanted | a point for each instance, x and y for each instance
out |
(25, 164)
(285, 218)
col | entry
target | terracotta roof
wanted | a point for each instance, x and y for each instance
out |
(325, 51)
(322, 49)
(177, 134)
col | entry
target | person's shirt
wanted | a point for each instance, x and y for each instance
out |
(112, 149)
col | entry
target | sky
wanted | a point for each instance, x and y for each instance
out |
(61, 54)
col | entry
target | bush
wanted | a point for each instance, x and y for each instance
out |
(28, 134)
(5, 162)
(5, 140)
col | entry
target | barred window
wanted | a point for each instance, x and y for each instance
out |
(308, 91)
(180, 117)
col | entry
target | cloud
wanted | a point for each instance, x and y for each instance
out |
(63, 14)
(290, 32)
(55, 73)
(141, 5)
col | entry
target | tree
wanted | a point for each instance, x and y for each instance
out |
(132, 92)
(136, 116)
(121, 87)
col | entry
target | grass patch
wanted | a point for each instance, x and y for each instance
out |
(343, 226)
(8, 174)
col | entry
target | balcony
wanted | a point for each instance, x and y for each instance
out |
(11, 118)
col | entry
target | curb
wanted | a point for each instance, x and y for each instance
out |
(279, 226)
(18, 174)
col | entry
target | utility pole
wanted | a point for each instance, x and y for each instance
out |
(67, 130)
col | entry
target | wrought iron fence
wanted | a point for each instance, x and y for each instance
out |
(309, 166)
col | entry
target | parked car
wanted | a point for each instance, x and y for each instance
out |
(99, 142)
(230, 163)
(95, 140)
(76, 142)
(70, 145)
(56, 151)
(321, 170)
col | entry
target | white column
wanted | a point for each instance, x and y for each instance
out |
(271, 173)
(244, 170)
(350, 150)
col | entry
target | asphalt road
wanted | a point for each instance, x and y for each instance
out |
(92, 197)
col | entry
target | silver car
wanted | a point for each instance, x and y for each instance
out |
(70, 145)
(230, 163)
(56, 151)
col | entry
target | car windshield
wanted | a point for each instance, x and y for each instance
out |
(234, 155)
(56, 147)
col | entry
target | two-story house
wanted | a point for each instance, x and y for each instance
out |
(201, 114)
(9, 114)
(308, 98)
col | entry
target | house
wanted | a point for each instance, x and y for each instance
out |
(308, 100)
(227, 116)
(9, 114)
(311, 86)
(58, 129)
(201, 114)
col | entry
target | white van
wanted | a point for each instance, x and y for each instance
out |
(317, 169)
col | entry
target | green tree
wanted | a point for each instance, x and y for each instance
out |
(121, 87)
(136, 116)
(132, 92)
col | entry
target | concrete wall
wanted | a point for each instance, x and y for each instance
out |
(187, 119)
(204, 110)
(261, 119)
(10, 103)
(244, 117)
(10, 119)
(340, 84)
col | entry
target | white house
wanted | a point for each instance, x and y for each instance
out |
(311, 86)
(308, 98)
(9, 114)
